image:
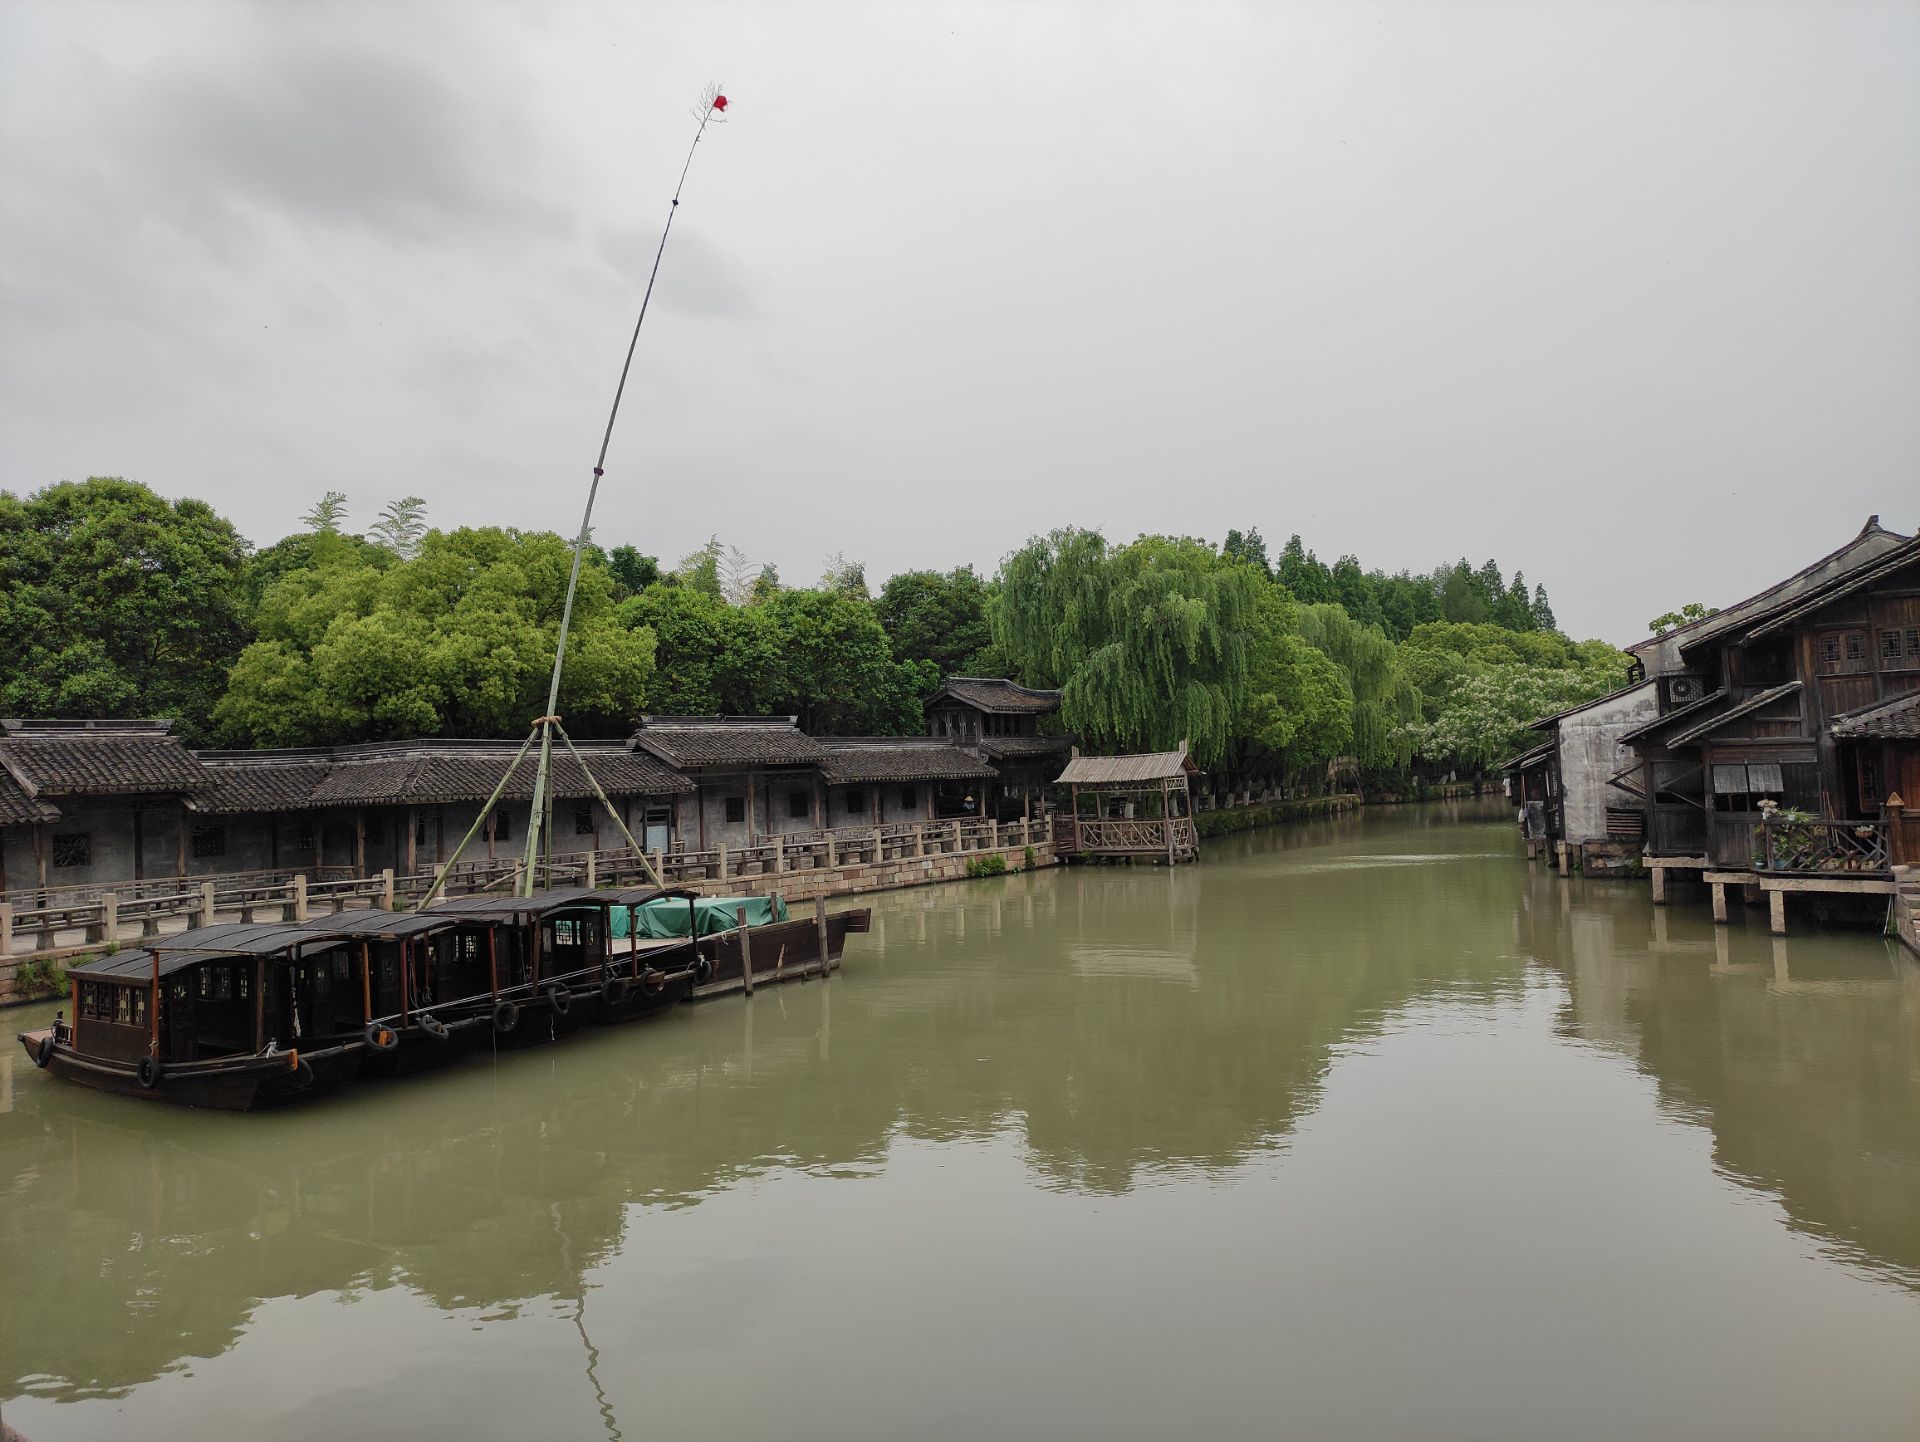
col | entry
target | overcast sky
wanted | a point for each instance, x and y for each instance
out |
(1627, 295)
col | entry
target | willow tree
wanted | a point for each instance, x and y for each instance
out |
(1386, 703)
(1148, 642)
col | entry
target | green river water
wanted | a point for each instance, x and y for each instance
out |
(1362, 1129)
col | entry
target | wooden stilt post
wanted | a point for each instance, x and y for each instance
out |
(820, 930)
(746, 949)
(1777, 912)
(1720, 902)
(1659, 886)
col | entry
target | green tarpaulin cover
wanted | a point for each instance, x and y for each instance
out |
(658, 920)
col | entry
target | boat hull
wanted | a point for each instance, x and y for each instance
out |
(234, 1084)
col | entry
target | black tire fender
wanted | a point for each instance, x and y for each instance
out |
(702, 970)
(151, 1072)
(613, 991)
(303, 1076)
(433, 1026)
(43, 1054)
(506, 1017)
(381, 1038)
(559, 1000)
(653, 981)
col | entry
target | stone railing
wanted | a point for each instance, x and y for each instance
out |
(74, 918)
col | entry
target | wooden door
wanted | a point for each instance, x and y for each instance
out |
(182, 1027)
(1906, 845)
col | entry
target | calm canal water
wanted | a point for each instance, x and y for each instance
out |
(1358, 1130)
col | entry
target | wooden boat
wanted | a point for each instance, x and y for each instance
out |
(213, 1017)
(241, 1016)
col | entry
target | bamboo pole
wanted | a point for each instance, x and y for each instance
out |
(593, 781)
(486, 812)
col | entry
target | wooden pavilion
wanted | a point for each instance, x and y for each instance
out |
(1128, 806)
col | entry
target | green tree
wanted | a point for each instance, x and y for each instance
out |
(1385, 702)
(400, 527)
(328, 515)
(632, 572)
(936, 616)
(1673, 620)
(845, 578)
(1250, 548)
(1542, 612)
(1307, 580)
(1148, 641)
(458, 641)
(835, 667)
(1297, 704)
(117, 603)
(1354, 593)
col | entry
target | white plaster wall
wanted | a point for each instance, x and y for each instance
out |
(1590, 752)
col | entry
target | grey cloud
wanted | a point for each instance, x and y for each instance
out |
(339, 135)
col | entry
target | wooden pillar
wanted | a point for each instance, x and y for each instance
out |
(439, 833)
(1891, 810)
(1719, 901)
(489, 824)
(413, 830)
(1777, 912)
(700, 811)
(386, 887)
(875, 810)
(819, 803)
(259, 1003)
(753, 785)
(179, 846)
(139, 847)
(206, 903)
(1659, 886)
(1563, 852)
(746, 948)
(360, 842)
(300, 898)
(819, 930)
(40, 855)
(319, 840)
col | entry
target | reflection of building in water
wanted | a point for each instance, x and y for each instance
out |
(1780, 1046)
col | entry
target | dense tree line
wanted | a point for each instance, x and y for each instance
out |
(120, 603)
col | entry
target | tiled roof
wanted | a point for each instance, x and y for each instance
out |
(19, 809)
(1020, 748)
(1526, 760)
(97, 758)
(415, 774)
(697, 741)
(899, 758)
(1895, 720)
(240, 781)
(995, 693)
(1745, 708)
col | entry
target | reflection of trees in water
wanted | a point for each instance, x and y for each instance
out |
(1800, 1054)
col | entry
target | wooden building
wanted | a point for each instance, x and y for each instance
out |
(890, 780)
(1788, 692)
(89, 800)
(1012, 728)
(752, 777)
(1131, 807)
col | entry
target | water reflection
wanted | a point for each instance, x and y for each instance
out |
(1122, 1028)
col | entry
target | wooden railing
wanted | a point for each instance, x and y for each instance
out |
(1113, 836)
(1824, 846)
(116, 913)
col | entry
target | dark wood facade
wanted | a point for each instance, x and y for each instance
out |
(1762, 730)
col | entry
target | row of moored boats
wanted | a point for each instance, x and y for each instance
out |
(245, 1015)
